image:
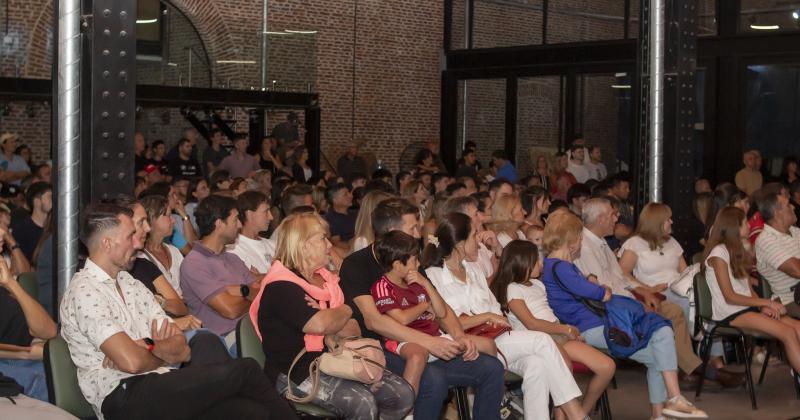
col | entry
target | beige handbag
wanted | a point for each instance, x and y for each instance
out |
(354, 358)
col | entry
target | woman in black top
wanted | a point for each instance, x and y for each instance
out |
(291, 320)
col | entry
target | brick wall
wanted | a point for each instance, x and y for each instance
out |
(391, 99)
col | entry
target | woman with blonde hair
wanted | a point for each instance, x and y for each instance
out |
(507, 217)
(364, 234)
(301, 306)
(567, 289)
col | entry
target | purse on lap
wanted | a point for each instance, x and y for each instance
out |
(353, 358)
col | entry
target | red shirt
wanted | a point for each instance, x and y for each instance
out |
(390, 296)
(756, 225)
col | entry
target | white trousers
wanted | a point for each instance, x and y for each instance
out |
(534, 356)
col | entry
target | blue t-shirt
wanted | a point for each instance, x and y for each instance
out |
(566, 307)
(507, 172)
(17, 163)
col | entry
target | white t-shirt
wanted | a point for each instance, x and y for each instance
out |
(256, 253)
(483, 264)
(466, 298)
(173, 274)
(654, 266)
(504, 238)
(773, 248)
(720, 308)
(597, 170)
(581, 172)
(535, 298)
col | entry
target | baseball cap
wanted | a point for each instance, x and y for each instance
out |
(7, 136)
(10, 190)
(150, 168)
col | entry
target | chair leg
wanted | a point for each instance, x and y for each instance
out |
(764, 366)
(705, 354)
(462, 403)
(748, 373)
(605, 409)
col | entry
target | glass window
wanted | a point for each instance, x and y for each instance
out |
(604, 115)
(508, 23)
(538, 107)
(769, 15)
(481, 115)
(585, 20)
(772, 113)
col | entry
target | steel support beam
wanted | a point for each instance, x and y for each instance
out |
(110, 69)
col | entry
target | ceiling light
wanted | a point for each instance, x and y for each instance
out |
(275, 33)
(236, 62)
(765, 27)
(795, 15)
(620, 86)
(620, 74)
(173, 64)
(293, 31)
(146, 20)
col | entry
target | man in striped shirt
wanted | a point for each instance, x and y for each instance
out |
(778, 249)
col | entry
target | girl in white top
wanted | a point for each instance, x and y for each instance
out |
(653, 256)
(530, 354)
(166, 257)
(507, 217)
(525, 299)
(726, 266)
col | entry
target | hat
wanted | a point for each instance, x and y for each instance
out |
(7, 136)
(150, 168)
(10, 191)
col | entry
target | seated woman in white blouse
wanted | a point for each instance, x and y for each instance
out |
(726, 266)
(507, 218)
(524, 298)
(653, 256)
(530, 354)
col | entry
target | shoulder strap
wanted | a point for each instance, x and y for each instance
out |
(598, 308)
(313, 373)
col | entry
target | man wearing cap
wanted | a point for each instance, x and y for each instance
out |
(152, 174)
(14, 166)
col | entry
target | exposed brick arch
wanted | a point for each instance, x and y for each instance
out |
(41, 45)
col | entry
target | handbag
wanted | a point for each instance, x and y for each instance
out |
(684, 284)
(487, 330)
(626, 326)
(354, 358)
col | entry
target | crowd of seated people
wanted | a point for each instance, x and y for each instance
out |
(424, 262)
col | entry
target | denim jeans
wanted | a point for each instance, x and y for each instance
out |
(29, 374)
(657, 356)
(484, 375)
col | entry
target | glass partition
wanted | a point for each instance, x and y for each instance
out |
(585, 20)
(538, 121)
(603, 116)
(772, 113)
(769, 15)
(481, 115)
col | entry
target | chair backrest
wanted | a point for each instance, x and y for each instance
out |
(764, 289)
(62, 379)
(28, 282)
(247, 342)
(702, 297)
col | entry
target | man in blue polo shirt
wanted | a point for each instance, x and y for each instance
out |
(505, 169)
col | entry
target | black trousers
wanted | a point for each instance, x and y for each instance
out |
(212, 386)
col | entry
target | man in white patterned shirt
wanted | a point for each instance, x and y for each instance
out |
(125, 347)
(778, 249)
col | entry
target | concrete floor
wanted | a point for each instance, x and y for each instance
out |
(775, 397)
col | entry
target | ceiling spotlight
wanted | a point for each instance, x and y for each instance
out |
(795, 15)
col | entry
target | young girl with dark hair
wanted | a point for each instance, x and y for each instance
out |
(523, 297)
(530, 354)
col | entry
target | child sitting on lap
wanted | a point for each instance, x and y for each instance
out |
(405, 294)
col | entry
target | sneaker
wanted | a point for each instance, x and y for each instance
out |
(680, 407)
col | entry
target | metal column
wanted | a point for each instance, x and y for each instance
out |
(110, 94)
(67, 140)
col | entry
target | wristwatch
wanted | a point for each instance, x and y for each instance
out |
(244, 290)
(185, 218)
(150, 344)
